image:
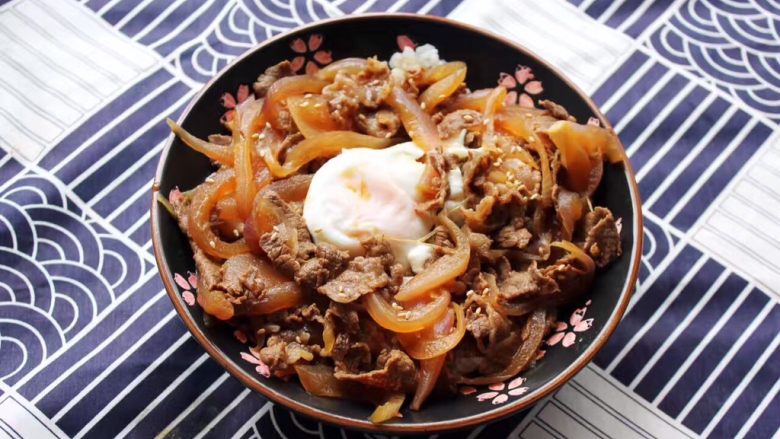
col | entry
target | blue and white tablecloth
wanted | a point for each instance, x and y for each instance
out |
(90, 345)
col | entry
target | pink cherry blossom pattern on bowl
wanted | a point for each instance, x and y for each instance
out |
(260, 367)
(309, 54)
(499, 393)
(188, 285)
(404, 41)
(520, 86)
(229, 102)
(566, 333)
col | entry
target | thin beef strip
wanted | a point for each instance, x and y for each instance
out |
(514, 235)
(453, 124)
(367, 274)
(309, 264)
(437, 184)
(358, 341)
(271, 75)
(297, 337)
(526, 285)
(556, 111)
(362, 276)
(394, 371)
(380, 123)
(602, 240)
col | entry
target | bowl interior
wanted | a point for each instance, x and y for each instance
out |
(486, 57)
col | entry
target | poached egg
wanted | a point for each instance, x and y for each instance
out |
(365, 192)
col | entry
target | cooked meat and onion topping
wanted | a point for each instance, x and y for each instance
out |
(381, 230)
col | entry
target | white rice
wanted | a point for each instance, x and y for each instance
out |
(413, 60)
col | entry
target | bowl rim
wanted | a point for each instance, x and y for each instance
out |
(364, 424)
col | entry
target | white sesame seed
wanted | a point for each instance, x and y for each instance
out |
(422, 105)
(212, 244)
(304, 104)
(235, 233)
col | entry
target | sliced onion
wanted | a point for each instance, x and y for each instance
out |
(417, 123)
(348, 65)
(280, 293)
(328, 339)
(323, 145)
(595, 139)
(442, 270)
(219, 153)
(570, 209)
(319, 380)
(437, 73)
(588, 266)
(215, 304)
(431, 369)
(199, 224)
(249, 113)
(476, 100)
(429, 345)
(441, 90)
(282, 89)
(494, 103)
(389, 409)
(228, 209)
(429, 375)
(267, 217)
(417, 319)
(311, 115)
(245, 183)
(547, 178)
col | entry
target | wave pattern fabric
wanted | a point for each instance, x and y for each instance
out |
(91, 347)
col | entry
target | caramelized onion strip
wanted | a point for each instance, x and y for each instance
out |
(441, 90)
(442, 270)
(323, 145)
(199, 223)
(219, 153)
(429, 344)
(403, 321)
(417, 122)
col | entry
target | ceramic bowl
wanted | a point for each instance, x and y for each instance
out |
(491, 59)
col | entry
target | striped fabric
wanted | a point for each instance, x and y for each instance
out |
(91, 347)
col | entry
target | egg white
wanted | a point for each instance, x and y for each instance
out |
(365, 192)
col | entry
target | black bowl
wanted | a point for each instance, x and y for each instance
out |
(588, 323)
